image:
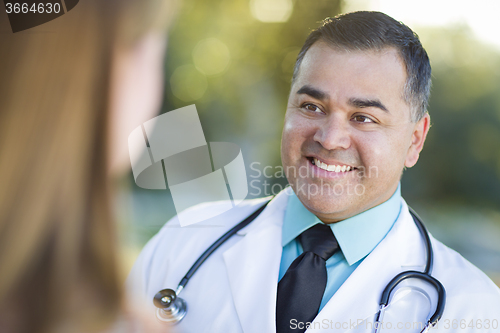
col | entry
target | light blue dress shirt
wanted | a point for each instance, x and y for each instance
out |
(357, 237)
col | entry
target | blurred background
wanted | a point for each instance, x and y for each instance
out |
(234, 60)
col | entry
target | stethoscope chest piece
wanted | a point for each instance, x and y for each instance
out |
(171, 309)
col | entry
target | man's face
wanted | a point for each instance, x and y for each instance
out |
(346, 112)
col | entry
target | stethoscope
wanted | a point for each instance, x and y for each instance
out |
(425, 276)
(172, 308)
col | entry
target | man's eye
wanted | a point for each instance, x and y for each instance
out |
(311, 107)
(362, 119)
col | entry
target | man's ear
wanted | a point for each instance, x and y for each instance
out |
(417, 140)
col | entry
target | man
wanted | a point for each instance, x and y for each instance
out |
(320, 256)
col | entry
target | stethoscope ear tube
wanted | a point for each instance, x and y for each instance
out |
(384, 300)
(428, 244)
(425, 275)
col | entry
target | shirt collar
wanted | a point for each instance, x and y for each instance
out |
(357, 236)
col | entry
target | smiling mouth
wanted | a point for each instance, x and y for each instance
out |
(330, 167)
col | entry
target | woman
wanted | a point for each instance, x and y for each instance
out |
(70, 92)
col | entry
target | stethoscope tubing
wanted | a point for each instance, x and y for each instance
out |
(216, 245)
(427, 240)
(425, 275)
(172, 297)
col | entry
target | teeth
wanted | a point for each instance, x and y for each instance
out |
(334, 168)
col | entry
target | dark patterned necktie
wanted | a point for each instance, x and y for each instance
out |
(302, 287)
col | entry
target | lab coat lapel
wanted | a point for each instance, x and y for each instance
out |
(253, 268)
(358, 298)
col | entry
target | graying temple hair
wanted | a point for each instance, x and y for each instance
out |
(374, 30)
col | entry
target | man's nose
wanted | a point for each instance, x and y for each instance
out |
(334, 133)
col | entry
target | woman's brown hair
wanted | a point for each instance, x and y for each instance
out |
(58, 265)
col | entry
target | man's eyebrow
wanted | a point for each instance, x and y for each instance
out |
(313, 92)
(367, 103)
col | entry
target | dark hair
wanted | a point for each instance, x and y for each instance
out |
(59, 268)
(374, 30)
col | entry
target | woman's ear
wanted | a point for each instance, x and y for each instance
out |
(417, 140)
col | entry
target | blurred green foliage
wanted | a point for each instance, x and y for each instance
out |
(246, 102)
(460, 162)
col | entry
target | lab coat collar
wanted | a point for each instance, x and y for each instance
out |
(253, 267)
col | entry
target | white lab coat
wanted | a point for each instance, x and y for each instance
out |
(235, 289)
